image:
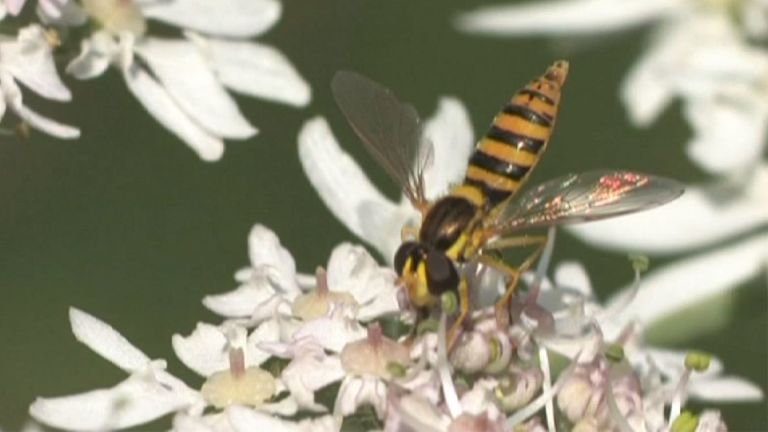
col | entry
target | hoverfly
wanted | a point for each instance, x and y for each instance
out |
(483, 213)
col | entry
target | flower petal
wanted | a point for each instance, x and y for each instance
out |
(726, 389)
(30, 61)
(14, 6)
(247, 420)
(63, 13)
(453, 139)
(266, 252)
(565, 17)
(231, 18)
(106, 341)
(693, 280)
(358, 391)
(572, 274)
(255, 69)
(332, 333)
(95, 56)
(742, 123)
(703, 215)
(160, 105)
(135, 401)
(337, 178)
(191, 82)
(241, 302)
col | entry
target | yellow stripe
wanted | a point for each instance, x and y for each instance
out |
(494, 180)
(469, 192)
(507, 153)
(521, 126)
(535, 104)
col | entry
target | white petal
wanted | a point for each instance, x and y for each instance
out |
(256, 70)
(681, 284)
(248, 420)
(726, 389)
(453, 139)
(3, 11)
(352, 269)
(186, 423)
(565, 17)
(309, 373)
(54, 13)
(739, 123)
(37, 121)
(266, 252)
(702, 216)
(30, 61)
(206, 350)
(159, 104)
(135, 401)
(14, 6)
(232, 18)
(572, 274)
(191, 82)
(355, 392)
(106, 341)
(337, 178)
(95, 56)
(332, 333)
(241, 302)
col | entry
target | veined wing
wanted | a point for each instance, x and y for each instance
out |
(390, 129)
(585, 197)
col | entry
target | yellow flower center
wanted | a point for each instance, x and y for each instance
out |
(117, 16)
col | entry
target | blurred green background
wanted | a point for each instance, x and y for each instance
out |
(129, 225)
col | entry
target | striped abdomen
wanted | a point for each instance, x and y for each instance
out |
(505, 156)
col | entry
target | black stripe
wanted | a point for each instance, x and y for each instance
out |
(495, 165)
(520, 142)
(538, 95)
(526, 113)
(493, 196)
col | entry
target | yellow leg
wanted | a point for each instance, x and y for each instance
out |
(502, 306)
(453, 334)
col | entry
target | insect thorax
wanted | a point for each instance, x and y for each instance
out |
(446, 221)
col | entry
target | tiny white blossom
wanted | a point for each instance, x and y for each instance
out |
(182, 82)
(28, 59)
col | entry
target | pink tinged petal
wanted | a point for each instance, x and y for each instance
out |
(106, 341)
(338, 179)
(309, 373)
(702, 216)
(742, 124)
(565, 17)
(255, 69)
(95, 56)
(358, 391)
(267, 254)
(191, 82)
(30, 61)
(725, 389)
(135, 401)
(159, 104)
(693, 280)
(230, 18)
(14, 6)
(453, 139)
(332, 333)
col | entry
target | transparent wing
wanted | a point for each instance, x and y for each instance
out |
(390, 129)
(585, 197)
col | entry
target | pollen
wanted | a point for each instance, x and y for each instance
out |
(117, 16)
(251, 388)
(377, 355)
(317, 304)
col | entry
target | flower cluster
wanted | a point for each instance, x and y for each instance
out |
(288, 337)
(181, 81)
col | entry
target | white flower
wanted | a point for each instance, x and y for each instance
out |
(28, 59)
(150, 392)
(13, 7)
(357, 203)
(271, 285)
(182, 81)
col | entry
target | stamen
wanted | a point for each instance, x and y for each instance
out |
(444, 370)
(686, 422)
(694, 362)
(322, 281)
(639, 264)
(237, 362)
(613, 409)
(547, 386)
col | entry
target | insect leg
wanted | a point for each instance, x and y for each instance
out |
(453, 334)
(502, 306)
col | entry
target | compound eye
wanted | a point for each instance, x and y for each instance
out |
(403, 253)
(441, 273)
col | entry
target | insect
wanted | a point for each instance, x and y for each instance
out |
(483, 214)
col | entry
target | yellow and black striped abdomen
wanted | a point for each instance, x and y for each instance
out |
(505, 156)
